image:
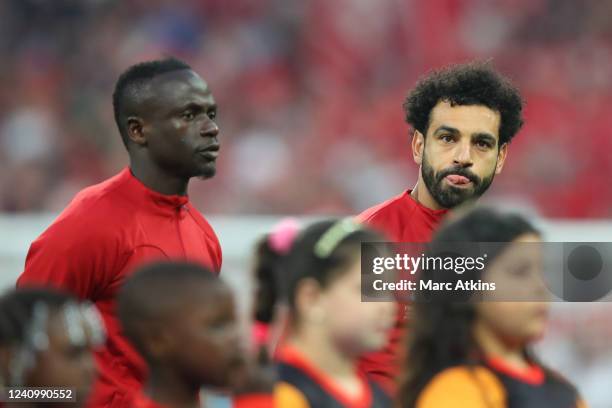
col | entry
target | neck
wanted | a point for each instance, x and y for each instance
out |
(156, 179)
(492, 345)
(167, 388)
(323, 354)
(421, 194)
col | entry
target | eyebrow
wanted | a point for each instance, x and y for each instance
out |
(445, 128)
(197, 105)
(477, 136)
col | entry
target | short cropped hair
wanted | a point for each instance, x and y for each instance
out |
(151, 294)
(132, 81)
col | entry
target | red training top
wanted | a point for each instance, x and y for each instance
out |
(89, 250)
(400, 219)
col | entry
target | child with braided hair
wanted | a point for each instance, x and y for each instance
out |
(47, 340)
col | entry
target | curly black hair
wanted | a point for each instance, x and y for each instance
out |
(474, 83)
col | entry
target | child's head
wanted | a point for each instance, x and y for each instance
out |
(323, 287)
(513, 265)
(182, 318)
(47, 339)
(443, 331)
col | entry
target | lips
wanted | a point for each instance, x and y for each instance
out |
(211, 152)
(457, 179)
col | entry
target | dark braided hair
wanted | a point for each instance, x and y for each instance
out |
(17, 310)
(24, 327)
(24, 315)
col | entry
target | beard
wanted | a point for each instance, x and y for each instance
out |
(450, 196)
(204, 171)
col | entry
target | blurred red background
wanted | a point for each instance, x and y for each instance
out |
(310, 96)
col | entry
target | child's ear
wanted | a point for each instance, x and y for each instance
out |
(157, 341)
(307, 295)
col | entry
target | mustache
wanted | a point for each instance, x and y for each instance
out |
(459, 171)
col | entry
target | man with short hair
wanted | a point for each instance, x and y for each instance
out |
(166, 116)
(464, 117)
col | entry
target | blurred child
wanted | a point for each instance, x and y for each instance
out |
(476, 354)
(329, 325)
(270, 316)
(182, 320)
(47, 340)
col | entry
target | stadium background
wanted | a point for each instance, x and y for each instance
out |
(310, 97)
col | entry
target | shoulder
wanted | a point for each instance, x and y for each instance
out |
(562, 387)
(201, 221)
(95, 212)
(139, 400)
(399, 204)
(288, 396)
(209, 235)
(391, 217)
(379, 396)
(205, 228)
(464, 386)
(105, 196)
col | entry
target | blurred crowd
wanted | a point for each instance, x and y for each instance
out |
(310, 96)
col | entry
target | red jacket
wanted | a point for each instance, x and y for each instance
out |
(400, 219)
(96, 242)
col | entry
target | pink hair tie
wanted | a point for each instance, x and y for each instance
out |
(283, 234)
(261, 333)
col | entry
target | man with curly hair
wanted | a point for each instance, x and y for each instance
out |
(463, 117)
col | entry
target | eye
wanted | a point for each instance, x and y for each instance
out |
(483, 144)
(212, 115)
(522, 269)
(188, 115)
(219, 324)
(447, 138)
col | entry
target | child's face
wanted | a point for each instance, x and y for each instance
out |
(66, 362)
(518, 275)
(355, 325)
(205, 342)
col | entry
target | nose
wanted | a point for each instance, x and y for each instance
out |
(539, 288)
(463, 155)
(210, 129)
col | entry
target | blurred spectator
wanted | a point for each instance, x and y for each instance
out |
(310, 95)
